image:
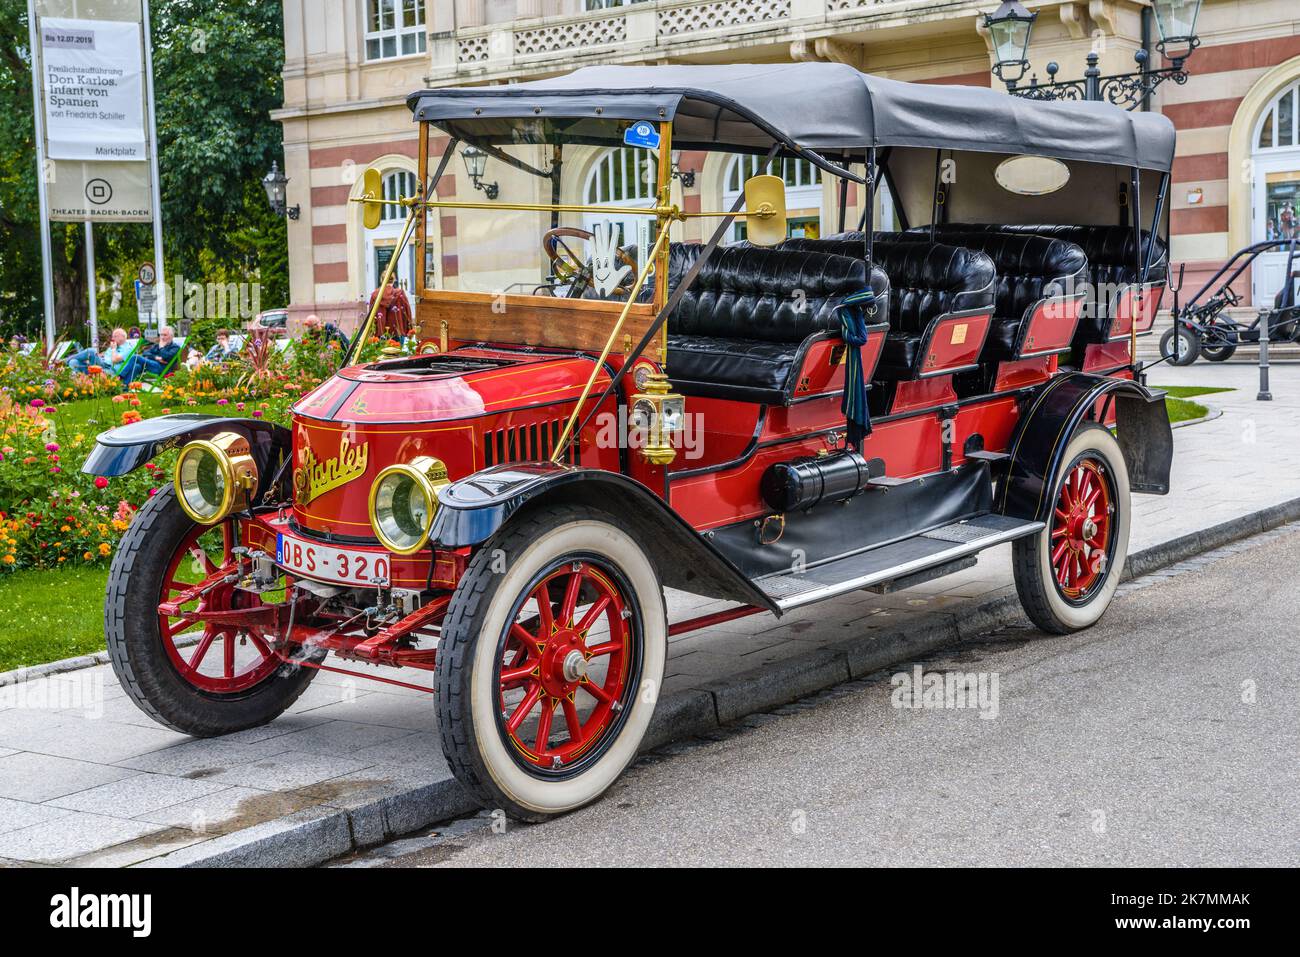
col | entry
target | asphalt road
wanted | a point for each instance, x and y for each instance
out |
(1167, 735)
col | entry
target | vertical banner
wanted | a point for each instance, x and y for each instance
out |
(94, 89)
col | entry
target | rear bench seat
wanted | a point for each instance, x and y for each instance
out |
(1112, 263)
(743, 327)
(926, 282)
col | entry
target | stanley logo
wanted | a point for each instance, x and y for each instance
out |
(314, 478)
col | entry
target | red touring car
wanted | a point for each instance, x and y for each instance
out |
(607, 399)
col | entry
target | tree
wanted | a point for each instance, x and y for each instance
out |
(217, 77)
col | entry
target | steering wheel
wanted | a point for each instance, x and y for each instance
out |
(567, 265)
(1230, 296)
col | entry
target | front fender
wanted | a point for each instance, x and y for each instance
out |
(1143, 433)
(472, 509)
(122, 450)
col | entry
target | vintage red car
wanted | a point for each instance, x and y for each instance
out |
(609, 400)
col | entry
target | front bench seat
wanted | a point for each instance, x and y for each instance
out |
(743, 327)
(925, 281)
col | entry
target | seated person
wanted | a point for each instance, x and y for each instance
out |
(111, 359)
(153, 358)
(326, 332)
(223, 350)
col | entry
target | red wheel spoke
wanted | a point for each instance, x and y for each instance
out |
(543, 596)
(1061, 549)
(525, 706)
(202, 649)
(512, 677)
(604, 648)
(544, 725)
(594, 612)
(570, 606)
(597, 692)
(262, 648)
(229, 648)
(572, 719)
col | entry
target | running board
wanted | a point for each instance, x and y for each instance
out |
(939, 546)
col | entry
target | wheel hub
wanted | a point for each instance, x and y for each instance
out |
(564, 663)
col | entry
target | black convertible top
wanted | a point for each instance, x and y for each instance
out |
(817, 108)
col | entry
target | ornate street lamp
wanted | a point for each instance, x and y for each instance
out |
(1010, 26)
(1175, 23)
(687, 176)
(476, 165)
(276, 185)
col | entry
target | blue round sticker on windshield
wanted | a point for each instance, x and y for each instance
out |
(642, 134)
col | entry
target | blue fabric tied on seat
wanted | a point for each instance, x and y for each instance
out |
(853, 323)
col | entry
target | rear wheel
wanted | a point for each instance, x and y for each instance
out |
(201, 678)
(1221, 340)
(1067, 574)
(1180, 352)
(550, 662)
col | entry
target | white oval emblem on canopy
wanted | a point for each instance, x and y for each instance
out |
(1032, 175)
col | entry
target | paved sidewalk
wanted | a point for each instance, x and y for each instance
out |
(86, 779)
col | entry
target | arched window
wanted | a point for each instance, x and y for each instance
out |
(622, 176)
(398, 184)
(803, 191)
(1275, 169)
(1278, 126)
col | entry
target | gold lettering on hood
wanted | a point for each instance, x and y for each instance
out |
(314, 478)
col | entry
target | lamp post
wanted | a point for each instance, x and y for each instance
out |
(276, 185)
(476, 165)
(1010, 27)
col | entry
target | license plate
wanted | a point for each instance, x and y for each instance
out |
(326, 563)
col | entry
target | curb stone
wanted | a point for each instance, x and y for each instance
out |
(316, 835)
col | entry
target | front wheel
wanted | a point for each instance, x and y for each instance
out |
(550, 662)
(200, 677)
(1067, 574)
(1182, 351)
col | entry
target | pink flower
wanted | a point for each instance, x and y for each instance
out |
(101, 482)
(153, 492)
(257, 413)
(37, 403)
(223, 402)
(56, 470)
(52, 447)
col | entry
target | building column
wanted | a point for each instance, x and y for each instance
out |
(525, 9)
(471, 13)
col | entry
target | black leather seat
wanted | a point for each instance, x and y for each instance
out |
(1029, 269)
(1111, 252)
(742, 328)
(925, 281)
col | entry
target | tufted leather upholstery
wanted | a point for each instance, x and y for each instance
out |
(1112, 263)
(742, 326)
(925, 282)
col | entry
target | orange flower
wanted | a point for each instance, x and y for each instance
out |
(130, 416)
(95, 370)
(137, 384)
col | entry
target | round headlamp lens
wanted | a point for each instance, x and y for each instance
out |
(201, 481)
(402, 511)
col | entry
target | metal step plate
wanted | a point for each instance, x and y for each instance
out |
(938, 546)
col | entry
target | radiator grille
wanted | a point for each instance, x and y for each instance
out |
(527, 443)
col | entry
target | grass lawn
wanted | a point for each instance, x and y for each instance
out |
(1181, 410)
(50, 615)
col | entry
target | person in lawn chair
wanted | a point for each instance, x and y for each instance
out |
(223, 350)
(154, 358)
(111, 359)
(315, 329)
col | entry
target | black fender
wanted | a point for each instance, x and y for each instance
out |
(122, 450)
(1143, 431)
(473, 509)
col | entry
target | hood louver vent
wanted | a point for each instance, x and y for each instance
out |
(527, 443)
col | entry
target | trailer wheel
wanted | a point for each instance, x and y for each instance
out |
(1067, 574)
(231, 678)
(550, 662)
(1189, 346)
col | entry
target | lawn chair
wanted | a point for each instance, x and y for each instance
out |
(62, 350)
(153, 380)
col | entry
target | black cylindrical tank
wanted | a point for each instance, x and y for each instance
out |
(802, 483)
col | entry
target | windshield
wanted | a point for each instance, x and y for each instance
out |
(608, 168)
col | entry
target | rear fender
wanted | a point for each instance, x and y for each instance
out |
(1056, 411)
(122, 450)
(473, 509)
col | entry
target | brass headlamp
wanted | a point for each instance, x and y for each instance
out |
(214, 477)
